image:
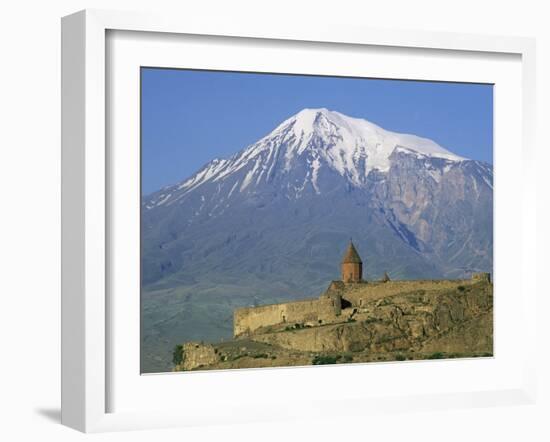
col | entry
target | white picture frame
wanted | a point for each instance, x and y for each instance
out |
(86, 207)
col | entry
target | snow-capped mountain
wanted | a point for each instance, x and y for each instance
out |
(314, 141)
(270, 223)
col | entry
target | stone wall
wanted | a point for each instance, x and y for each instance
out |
(327, 308)
(359, 294)
(249, 319)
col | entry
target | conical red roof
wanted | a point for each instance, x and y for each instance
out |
(351, 255)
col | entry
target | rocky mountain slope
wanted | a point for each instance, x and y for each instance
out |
(269, 224)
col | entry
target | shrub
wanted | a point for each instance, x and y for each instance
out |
(177, 354)
(260, 356)
(351, 320)
(323, 360)
(436, 355)
(400, 357)
(348, 358)
(461, 288)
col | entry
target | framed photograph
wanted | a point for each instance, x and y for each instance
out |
(271, 222)
(234, 239)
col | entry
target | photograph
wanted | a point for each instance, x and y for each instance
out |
(300, 220)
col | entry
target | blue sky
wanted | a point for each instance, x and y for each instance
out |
(190, 117)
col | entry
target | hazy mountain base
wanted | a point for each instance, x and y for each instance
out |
(425, 324)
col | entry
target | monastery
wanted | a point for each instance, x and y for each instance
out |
(341, 302)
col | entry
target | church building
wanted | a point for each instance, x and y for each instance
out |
(352, 266)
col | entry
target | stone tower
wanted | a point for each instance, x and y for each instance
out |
(352, 266)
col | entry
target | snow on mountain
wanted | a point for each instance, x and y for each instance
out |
(350, 139)
(319, 139)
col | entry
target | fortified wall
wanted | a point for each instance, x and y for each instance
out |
(310, 312)
(357, 294)
(247, 320)
(338, 303)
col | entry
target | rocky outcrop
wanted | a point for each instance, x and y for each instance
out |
(447, 321)
(470, 337)
(399, 322)
(196, 355)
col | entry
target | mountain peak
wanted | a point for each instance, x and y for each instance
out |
(311, 110)
(320, 120)
(305, 120)
(313, 142)
(344, 141)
